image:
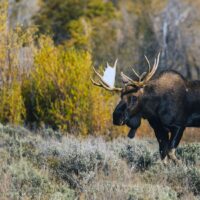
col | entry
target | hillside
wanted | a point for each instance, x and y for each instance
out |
(47, 165)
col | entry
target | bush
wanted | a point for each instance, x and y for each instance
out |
(151, 192)
(190, 153)
(76, 163)
(138, 155)
(28, 182)
(20, 175)
(180, 178)
(59, 92)
(13, 41)
(53, 88)
(194, 180)
(42, 164)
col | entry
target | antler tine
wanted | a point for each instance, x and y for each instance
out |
(158, 59)
(129, 79)
(100, 77)
(115, 65)
(154, 68)
(145, 76)
(99, 84)
(102, 83)
(149, 66)
(142, 76)
(109, 88)
(95, 83)
(135, 72)
(97, 73)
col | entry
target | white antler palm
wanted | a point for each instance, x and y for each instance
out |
(107, 81)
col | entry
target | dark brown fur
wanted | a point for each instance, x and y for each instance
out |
(169, 102)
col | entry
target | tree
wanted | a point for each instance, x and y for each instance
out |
(63, 18)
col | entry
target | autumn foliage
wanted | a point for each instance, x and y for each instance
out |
(46, 83)
(59, 90)
(11, 106)
(56, 91)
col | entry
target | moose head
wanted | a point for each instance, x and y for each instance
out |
(128, 109)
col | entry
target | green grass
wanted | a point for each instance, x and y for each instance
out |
(46, 165)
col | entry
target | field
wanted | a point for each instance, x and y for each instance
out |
(47, 165)
(47, 53)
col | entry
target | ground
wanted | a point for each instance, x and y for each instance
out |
(46, 165)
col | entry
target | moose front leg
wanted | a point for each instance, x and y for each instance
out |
(162, 136)
(163, 140)
(176, 135)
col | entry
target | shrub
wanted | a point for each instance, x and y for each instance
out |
(59, 92)
(42, 166)
(54, 90)
(13, 41)
(27, 182)
(20, 175)
(194, 180)
(190, 153)
(59, 88)
(75, 162)
(138, 155)
(137, 191)
(151, 192)
(180, 178)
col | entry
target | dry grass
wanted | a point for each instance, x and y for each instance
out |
(47, 165)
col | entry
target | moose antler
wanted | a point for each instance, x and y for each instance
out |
(145, 76)
(107, 81)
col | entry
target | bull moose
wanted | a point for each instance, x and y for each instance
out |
(169, 102)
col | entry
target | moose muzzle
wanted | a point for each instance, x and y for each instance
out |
(120, 115)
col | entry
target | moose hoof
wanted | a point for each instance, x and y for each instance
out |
(178, 162)
(173, 157)
(165, 161)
